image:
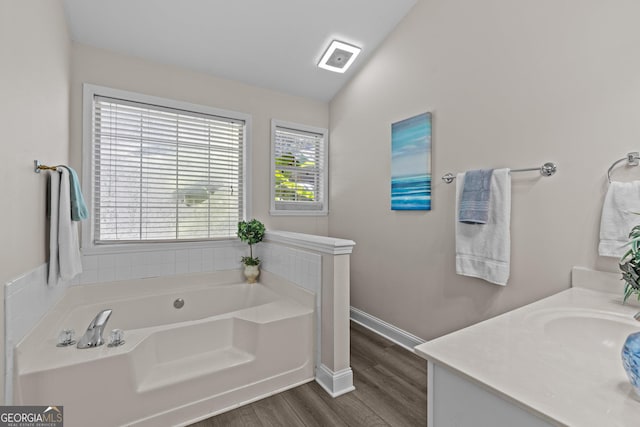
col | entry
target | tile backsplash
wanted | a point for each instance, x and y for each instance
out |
(301, 267)
(100, 268)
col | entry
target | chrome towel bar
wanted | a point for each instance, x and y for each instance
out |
(547, 169)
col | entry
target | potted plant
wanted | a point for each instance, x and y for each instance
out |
(630, 265)
(251, 232)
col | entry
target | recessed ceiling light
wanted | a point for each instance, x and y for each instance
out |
(339, 56)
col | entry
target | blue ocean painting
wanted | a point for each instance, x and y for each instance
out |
(411, 163)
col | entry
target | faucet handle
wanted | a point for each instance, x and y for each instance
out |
(65, 338)
(116, 338)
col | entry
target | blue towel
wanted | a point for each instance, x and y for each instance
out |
(476, 193)
(79, 209)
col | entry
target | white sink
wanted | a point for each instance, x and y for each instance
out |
(585, 329)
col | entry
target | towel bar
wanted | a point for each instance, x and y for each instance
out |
(37, 167)
(547, 169)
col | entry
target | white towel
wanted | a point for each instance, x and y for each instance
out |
(54, 196)
(484, 250)
(622, 199)
(65, 261)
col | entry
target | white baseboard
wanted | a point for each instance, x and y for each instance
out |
(335, 383)
(394, 334)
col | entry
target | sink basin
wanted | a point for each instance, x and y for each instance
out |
(589, 330)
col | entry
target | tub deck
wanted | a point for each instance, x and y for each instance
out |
(170, 373)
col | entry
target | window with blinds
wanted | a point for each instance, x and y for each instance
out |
(299, 181)
(164, 174)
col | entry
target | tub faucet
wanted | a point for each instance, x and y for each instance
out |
(93, 336)
(637, 316)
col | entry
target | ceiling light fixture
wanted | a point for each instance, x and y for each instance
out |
(339, 56)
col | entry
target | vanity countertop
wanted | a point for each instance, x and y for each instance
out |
(558, 358)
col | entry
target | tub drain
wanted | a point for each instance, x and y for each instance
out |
(179, 303)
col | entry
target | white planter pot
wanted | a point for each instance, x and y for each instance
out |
(251, 272)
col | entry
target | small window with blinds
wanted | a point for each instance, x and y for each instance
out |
(163, 173)
(299, 169)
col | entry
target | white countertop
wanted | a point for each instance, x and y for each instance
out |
(558, 358)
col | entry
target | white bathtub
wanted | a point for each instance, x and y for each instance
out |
(230, 344)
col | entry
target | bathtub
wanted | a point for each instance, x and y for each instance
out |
(230, 344)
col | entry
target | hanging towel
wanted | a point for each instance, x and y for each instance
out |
(53, 199)
(484, 250)
(79, 209)
(618, 217)
(65, 261)
(476, 192)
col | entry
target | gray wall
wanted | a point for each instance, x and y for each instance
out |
(510, 84)
(34, 118)
(104, 68)
(34, 107)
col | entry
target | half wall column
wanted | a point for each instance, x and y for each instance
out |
(333, 370)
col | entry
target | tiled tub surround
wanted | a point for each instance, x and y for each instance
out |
(555, 362)
(28, 297)
(127, 265)
(311, 262)
(230, 344)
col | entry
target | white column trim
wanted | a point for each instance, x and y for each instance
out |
(322, 244)
(335, 383)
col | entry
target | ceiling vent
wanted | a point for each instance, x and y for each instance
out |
(339, 56)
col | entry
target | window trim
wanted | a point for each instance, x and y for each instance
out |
(89, 91)
(324, 174)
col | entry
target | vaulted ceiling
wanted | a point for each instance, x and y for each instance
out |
(274, 44)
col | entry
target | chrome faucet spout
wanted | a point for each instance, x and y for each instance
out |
(637, 316)
(93, 336)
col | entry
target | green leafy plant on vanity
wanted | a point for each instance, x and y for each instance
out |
(630, 265)
(251, 232)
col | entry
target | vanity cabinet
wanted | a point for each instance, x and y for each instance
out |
(454, 401)
(554, 362)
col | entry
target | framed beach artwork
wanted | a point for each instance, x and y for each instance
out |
(411, 163)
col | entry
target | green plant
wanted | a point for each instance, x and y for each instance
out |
(630, 265)
(251, 232)
(290, 171)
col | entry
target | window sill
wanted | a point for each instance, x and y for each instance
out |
(297, 213)
(153, 247)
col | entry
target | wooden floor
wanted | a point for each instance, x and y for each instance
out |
(391, 390)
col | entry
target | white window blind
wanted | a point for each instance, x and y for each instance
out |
(164, 174)
(299, 169)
